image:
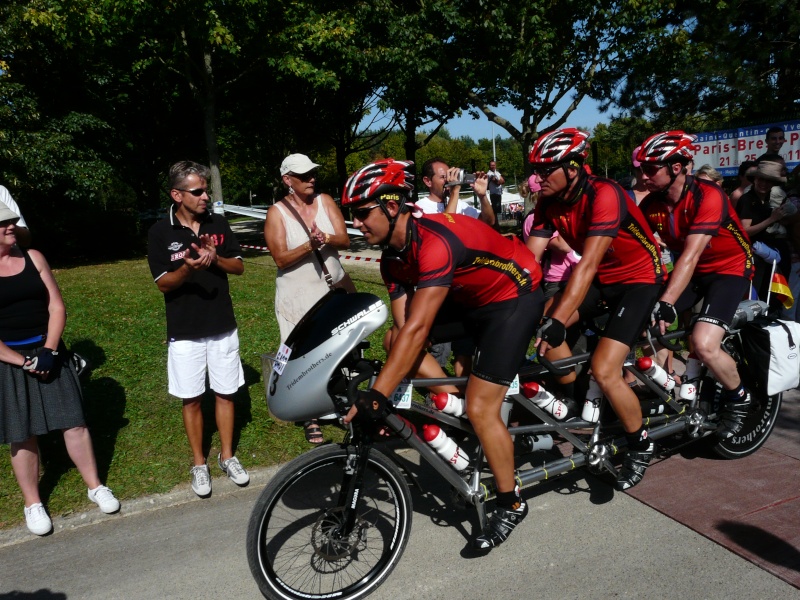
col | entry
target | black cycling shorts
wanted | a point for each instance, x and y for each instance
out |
(501, 331)
(502, 334)
(629, 308)
(720, 294)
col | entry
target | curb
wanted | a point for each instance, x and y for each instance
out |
(180, 494)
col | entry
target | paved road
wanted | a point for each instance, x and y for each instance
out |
(580, 540)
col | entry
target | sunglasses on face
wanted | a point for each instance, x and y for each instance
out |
(7, 222)
(363, 212)
(197, 192)
(305, 177)
(651, 169)
(545, 172)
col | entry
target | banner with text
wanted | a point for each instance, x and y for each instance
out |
(726, 149)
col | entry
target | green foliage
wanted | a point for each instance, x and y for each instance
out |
(116, 320)
(718, 62)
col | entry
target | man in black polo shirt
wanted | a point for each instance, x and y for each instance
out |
(191, 252)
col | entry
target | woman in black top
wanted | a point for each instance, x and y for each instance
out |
(39, 389)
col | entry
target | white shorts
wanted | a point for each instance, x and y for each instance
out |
(190, 359)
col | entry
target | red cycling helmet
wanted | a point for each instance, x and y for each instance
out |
(667, 147)
(379, 178)
(559, 145)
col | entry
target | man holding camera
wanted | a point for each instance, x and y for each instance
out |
(444, 184)
(496, 181)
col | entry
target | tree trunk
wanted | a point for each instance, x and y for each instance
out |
(209, 114)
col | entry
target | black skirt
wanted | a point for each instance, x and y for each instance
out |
(30, 406)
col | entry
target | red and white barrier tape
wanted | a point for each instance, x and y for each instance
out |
(342, 257)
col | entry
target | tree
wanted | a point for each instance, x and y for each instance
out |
(534, 55)
(721, 61)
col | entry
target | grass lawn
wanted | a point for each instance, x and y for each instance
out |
(116, 320)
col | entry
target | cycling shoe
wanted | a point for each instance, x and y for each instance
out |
(500, 525)
(633, 467)
(732, 416)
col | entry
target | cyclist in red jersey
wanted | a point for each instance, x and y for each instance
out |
(493, 282)
(620, 265)
(697, 221)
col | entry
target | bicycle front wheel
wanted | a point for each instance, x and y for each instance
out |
(298, 544)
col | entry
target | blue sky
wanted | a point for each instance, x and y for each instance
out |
(586, 115)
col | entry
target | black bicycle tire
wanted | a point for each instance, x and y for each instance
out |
(276, 586)
(757, 429)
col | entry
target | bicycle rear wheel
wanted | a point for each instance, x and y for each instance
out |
(757, 427)
(296, 545)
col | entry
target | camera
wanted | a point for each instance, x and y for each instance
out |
(463, 178)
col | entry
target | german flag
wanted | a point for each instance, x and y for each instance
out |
(780, 287)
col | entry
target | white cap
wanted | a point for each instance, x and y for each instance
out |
(298, 164)
(6, 214)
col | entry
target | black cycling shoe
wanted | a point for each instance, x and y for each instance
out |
(633, 467)
(500, 526)
(732, 416)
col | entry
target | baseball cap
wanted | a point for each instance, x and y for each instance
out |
(6, 214)
(297, 163)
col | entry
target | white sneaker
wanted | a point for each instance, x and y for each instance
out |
(234, 470)
(37, 519)
(201, 480)
(104, 498)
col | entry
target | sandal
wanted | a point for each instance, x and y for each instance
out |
(313, 432)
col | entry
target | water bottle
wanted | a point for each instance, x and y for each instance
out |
(450, 404)
(591, 407)
(688, 389)
(532, 442)
(650, 368)
(545, 400)
(446, 447)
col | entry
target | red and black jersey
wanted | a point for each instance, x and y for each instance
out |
(603, 208)
(703, 209)
(479, 265)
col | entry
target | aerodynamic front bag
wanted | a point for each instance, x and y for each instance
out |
(771, 350)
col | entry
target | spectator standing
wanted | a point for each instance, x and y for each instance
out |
(761, 220)
(191, 252)
(297, 247)
(443, 193)
(22, 232)
(744, 182)
(39, 387)
(496, 182)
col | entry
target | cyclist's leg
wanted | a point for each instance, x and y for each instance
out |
(629, 313)
(502, 333)
(722, 296)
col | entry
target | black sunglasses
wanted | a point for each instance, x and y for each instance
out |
(652, 168)
(363, 212)
(195, 192)
(545, 172)
(8, 222)
(305, 177)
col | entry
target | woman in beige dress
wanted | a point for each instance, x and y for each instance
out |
(301, 282)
